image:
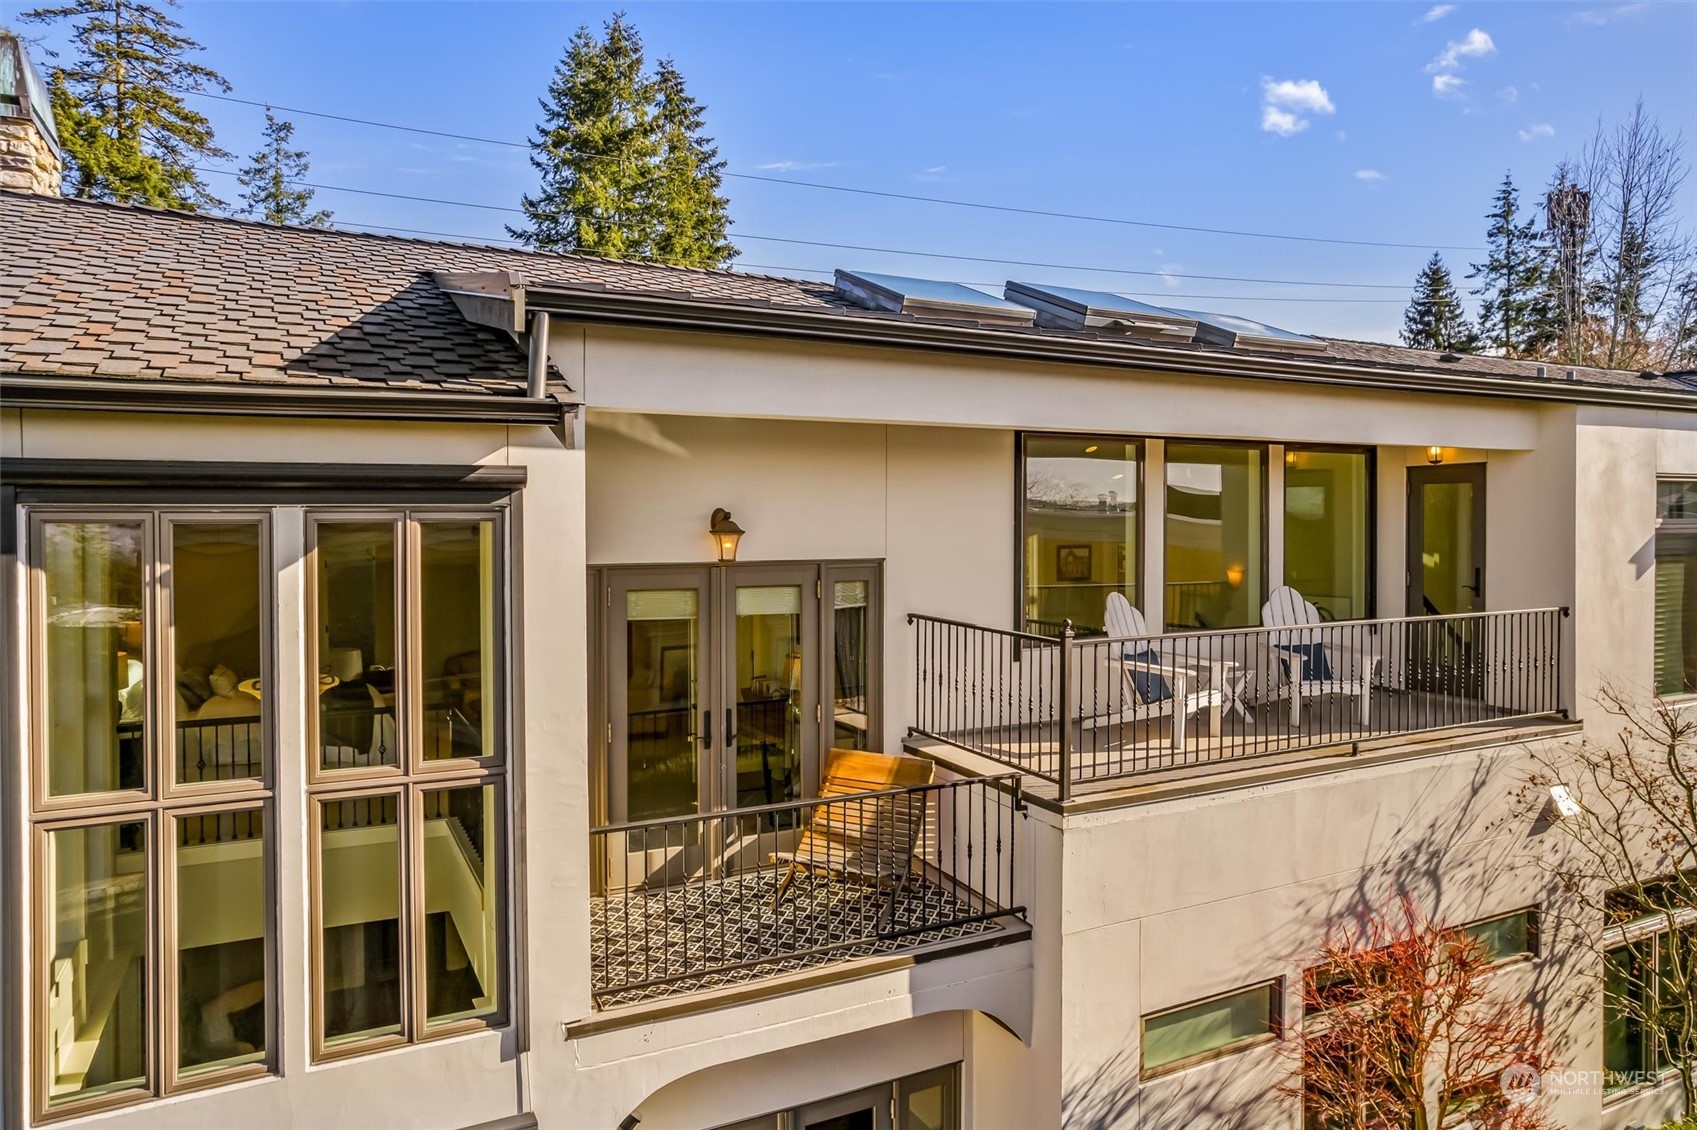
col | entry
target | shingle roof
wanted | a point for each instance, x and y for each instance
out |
(90, 289)
(103, 290)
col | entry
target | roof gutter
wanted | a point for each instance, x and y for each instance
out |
(613, 308)
(33, 390)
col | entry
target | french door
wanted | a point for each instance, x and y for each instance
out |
(723, 684)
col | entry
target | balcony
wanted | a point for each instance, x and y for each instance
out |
(1078, 711)
(699, 903)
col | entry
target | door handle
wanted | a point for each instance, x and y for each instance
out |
(707, 729)
(730, 727)
(1474, 587)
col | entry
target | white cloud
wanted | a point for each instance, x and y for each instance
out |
(1597, 17)
(1158, 253)
(1168, 275)
(1474, 45)
(796, 166)
(934, 173)
(1302, 95)
(1372, 176)
(1275, 120)
(1284, 102)
(1541, 130)
(1447, 86)
(1437, 12)
(1509, 95)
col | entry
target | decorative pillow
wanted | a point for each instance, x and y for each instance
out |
(1151, 688)
(1314, 667)
(193, 686)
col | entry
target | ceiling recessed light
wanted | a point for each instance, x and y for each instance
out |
(1121, 475)
(1089, 449)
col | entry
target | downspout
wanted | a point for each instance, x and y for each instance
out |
(536, 383)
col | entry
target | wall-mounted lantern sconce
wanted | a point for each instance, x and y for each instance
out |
(1234, 575)
(726, 534)
(1434, 455)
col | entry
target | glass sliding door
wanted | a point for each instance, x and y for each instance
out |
(1080, 518)
(1215, 547)
(1328, 529)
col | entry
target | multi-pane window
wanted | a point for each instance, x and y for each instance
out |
(1328, 529)
(1649, 961)
(1080, 517)
(408, 782)
(1676, 587)
(150, 739)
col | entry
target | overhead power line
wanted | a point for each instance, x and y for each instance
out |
(1399, 287)
(887, 195)
(790, 270)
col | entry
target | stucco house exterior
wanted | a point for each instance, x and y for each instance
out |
(435, 675)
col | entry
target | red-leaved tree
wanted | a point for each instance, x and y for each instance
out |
(1404, 1029)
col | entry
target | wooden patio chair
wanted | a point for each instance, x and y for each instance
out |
(871, 839)
(1316, 660)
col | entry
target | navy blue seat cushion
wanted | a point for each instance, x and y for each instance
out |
(1151, 688)
(1314, 667)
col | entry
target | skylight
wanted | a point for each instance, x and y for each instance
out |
(1069, 308)
(1233, 332)
(928, 298)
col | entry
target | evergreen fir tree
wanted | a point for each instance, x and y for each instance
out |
(127, 135)
(269, 183)
(691, 227)
(1435, 319)
(1517, 316)
(595, 149)
(626, 170)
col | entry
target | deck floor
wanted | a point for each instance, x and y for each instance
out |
(717, 933)
(1109, 750)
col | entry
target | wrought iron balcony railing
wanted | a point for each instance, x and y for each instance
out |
(690, 903)
(1070, 709)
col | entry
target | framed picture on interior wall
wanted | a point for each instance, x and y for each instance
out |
(676, 665)
(1072, 562)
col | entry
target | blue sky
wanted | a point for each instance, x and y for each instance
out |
(1384, 122)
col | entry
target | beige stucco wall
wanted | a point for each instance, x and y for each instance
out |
(933, 504)
(727, 375)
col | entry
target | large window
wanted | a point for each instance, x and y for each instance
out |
(1328, 529)
(1676, 587)
(1081, 520)
(409, 781)
(151, 789)
(1215, 552)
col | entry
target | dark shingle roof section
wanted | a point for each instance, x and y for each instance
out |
(104, 290)
(107, 291)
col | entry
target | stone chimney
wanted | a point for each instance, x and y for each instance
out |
(29, 144)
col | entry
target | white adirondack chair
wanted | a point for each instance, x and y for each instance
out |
(1316, 661)
(1150, 687)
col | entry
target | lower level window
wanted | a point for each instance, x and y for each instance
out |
(928, 1100)
(1181, 1036)
(1640, 1010)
